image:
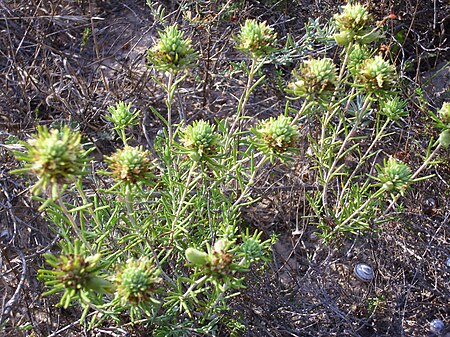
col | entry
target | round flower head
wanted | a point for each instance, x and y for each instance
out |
(353, 18)
(377, 75)
(122, 116)
(444, 114)
(357, 57)
(54, 156)
(353, 24)
(444, 138)
(256, 38)
(172, 52)
(276, 136)
(252, 249)
(136, 284)
(131, 165)
(75, 273)
(393, 108)
(315, 77)
(200, 140)
(394, 176)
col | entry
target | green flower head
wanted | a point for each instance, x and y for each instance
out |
(315, 77)
(256, 38)
(395, 176)
(354, 25)
(172, 52)
(444, 138)
(122, 116)
(131, 165)
(393, 108)
(353, 18)
(76, 273)
(444, 113)
(55, 156)
(200, 140)
(276, 136)
(357, 57)
(377, 75)
(136, 284)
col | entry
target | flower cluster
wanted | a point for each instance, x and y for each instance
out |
(276, 136)
(393, 108)
(377, 75)
(122, 116)
(217, 263)
(200, 141)
(256, 38)
(172, 52)
(314, 78)
(443, 120)
(136, 284)
(54, 156)
(131, 165)
(357, 57)
(394, 176)
(75, 273)
(354, 25)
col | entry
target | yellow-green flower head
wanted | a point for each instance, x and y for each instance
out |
(252, 249)
(196, 256)
(200, 140)
(54, 156)
(393, 108)
(277, 135)
(314, 77)
(354, 17)
(354, 24)
(122, 116)
(256, 38)
(172, 52)
(75, 273)
(137, 282)
(377, 75)
(444, 113)
(444, 138)
(357, 57)
(395, 176)
(131, 165)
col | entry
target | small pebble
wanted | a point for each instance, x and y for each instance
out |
(429, 206)
(447, 263)
(364, 272)
(437, 326)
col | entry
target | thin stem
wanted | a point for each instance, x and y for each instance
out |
(361, 162)
(356, 212)
(169, 101)
(347, 139)
(73, 223)
(250, 182)
(182, 199)
(304, 107)
(243, 100)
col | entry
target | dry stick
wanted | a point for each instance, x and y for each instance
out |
(15, 297)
